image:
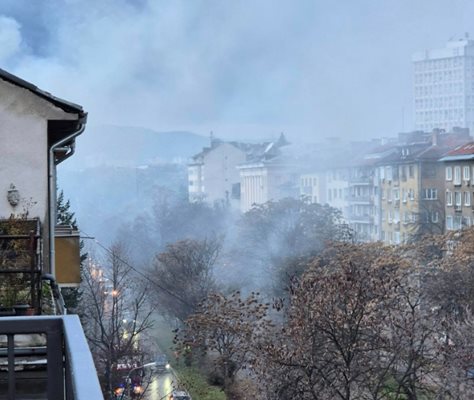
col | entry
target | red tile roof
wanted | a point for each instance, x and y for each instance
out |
(465, 149)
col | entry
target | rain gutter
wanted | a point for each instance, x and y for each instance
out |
(60, 145)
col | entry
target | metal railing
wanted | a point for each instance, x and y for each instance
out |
(70, 370)
(20, 262)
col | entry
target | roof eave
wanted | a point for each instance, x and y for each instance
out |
(61, 103)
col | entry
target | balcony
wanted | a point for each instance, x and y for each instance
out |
(361, 199)
(20, 264)
(364, 219)
(68, 256)
(360, 181)
(46, 358)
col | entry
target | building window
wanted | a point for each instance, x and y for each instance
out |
(449, 173)
(406, 217)
(466, 222)
(396, 194)
(396, 237)
(457, 199)
(457, 175)
(329, 195)
(467, 198)
(466, 176)
(449, 198)
(411, 194)
(435, 217)
(396, 216)
(389, 195)
(449, 223)
(457, 222)
(430, 194)
(404, 195)
(389, 173)
(411, 171)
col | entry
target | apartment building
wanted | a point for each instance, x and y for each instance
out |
(337, 188)
(213, 176)
(269, 175)
(313, 187)
(444, 86)
(458, 167)
(364, 200)
(412, 186)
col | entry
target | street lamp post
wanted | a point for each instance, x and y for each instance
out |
(127, 380)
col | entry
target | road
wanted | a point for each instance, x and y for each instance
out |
(160, 386)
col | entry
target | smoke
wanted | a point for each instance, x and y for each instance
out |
(10, 38)
(238, 68)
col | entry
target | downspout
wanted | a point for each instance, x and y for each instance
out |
(52, 188)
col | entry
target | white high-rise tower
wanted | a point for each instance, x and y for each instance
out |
(444, 86)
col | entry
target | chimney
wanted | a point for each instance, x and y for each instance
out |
(434, 137)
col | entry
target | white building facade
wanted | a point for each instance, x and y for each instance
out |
(261, 182)
(313, 187)
(213, 176)
(444, 87)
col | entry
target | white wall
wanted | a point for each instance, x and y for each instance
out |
(217, 174)
(24, 149)
(254, 186)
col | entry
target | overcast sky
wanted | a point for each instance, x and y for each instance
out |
(240, 68)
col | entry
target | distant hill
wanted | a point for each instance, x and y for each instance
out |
(132, 146)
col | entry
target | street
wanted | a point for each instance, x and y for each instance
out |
(160, 386)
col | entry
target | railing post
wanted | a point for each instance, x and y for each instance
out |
(55, 361)
(11, 367)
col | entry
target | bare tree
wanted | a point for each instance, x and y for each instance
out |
(116, 312)
(223, 327)
(185, 269)
(355, 328)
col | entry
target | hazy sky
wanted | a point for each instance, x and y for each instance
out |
(240, 68)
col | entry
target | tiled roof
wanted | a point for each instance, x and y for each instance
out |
(465, 149)
(463, 152)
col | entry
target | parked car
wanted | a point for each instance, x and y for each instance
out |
(179, 395)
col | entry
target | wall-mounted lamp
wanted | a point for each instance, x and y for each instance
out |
(13, 195)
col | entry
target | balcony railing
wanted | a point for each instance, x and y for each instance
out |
(20, 263)
(361, 199)
(360, 180)
(367, 219)
(54, 361)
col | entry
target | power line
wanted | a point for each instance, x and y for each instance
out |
(147, 278)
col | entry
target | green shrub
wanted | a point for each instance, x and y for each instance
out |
(196, 384)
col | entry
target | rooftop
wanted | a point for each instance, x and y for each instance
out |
(463, 152)
(63, 104)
